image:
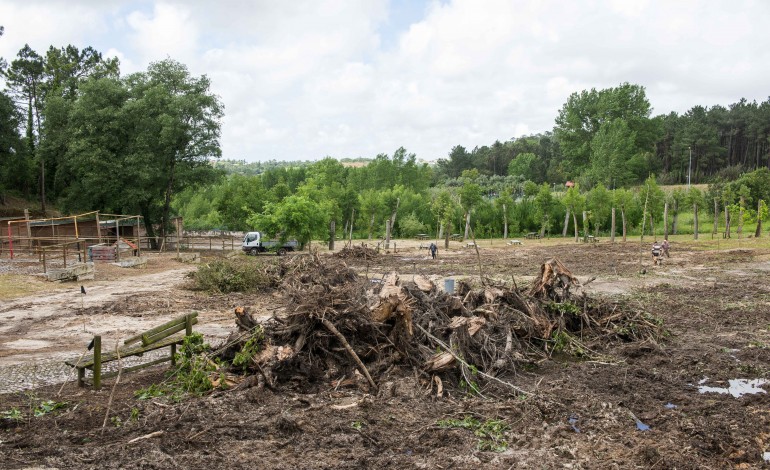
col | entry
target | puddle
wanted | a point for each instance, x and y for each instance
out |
(669, 406)
(737, 387)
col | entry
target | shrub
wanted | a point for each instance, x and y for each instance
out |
(234, 275)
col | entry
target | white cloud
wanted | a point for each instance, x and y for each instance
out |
(307, 78)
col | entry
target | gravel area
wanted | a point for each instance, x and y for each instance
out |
(30, 375)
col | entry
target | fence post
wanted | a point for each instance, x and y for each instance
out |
(97, 362)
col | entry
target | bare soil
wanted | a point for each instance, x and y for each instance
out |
(578, 413)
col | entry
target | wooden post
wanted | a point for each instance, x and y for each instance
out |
(665, 221)
(188, 325)
(173, 354)
(117, 239)
(42, 249)
(81, 376)
(29, 229)
(612, 230)
(97, 368)
(65, 255)
(98, 228)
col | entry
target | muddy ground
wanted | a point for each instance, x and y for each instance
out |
(715, 306)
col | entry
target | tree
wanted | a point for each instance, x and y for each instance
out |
(574, 202)
(654, 197)
(24, 79)
(696, 200)
(443, 207)
(470, 196)
(612, 148)
(15, 170)
(504, 204)
(544, 202)
(295, 216)
(136, 142)
(583, 115)
(624, 200)
(524, 165)
(599, 202)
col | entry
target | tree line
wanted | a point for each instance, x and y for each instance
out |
(74, 132)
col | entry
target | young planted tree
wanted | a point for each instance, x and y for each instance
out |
(761, 215)
(504, 205)
(443, 208)
(624, 199)
(728, 197)
(545, 203)
(696, 200)
(654, 196)
(470, 197)
(574, 202)
(599, 202)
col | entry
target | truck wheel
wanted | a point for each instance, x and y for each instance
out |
(281, 251)
(253, 252)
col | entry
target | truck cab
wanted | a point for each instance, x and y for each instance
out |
(255, 243)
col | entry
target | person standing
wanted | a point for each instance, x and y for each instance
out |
(433, 249)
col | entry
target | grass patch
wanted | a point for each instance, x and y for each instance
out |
(13, 286)
(235, 275)
(491, 433)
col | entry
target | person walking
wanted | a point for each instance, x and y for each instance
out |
(433, 250)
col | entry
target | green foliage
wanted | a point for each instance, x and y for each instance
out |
(563, 342)
(249, 349)
(191, 375)
(47, 406)
(152, 391)
(234, 275)
(295, 216)
(14, 414)
(410, 225)
(564, 308)
(491, 433)
(524, 165)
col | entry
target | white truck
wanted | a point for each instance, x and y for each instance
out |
(255, 243)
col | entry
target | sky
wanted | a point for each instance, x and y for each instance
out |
(306, 79)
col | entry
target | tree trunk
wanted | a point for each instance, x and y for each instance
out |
(623, 216)
(612, 230)
(371, 226)
(566, 224)
(665, 221)
(389, 224)
(716, 217)
(727, 221)
(574, 222)
(740, 216)
(144, 209)
(167, 197)
(585, 226)
(695, 221)
(758, 232)
(332, 234)
(467, 225)
(652, 227)
(440, 231)
(505, 223)
(542, 227)
(446, 234)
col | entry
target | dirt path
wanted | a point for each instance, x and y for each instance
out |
(714, 306)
